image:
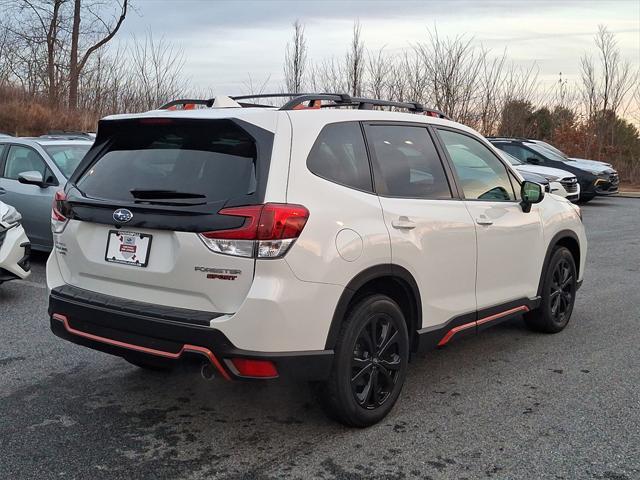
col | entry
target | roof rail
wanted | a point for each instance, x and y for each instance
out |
(312, 100)
(502, 137)
(61, 135)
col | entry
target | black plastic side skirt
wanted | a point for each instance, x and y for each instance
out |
(470, 323)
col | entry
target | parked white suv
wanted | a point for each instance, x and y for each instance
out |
(15, 248)
(561, 182)
(315, 241)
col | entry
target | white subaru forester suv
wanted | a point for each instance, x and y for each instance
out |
(325, 240)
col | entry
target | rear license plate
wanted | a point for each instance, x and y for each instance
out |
(129, 248)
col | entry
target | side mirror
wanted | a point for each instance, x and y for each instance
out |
(31, 178)
(531, 193)
(533, 160)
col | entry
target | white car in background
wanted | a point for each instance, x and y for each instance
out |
(561, 182)
(15, 249)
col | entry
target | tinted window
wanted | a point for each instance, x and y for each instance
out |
(407, 163)
(519, 152)
(207, 160)
(545, 152)
(67, 157)
(482, 175)
(339, 155)
(23, 159)
(510, 158)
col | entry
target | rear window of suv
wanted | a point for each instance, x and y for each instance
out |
(207, 161)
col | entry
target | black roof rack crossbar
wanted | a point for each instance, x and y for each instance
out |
(268, 95)
(343, 100)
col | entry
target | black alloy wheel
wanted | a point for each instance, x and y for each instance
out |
(369, 365)
(562, 291)
(376, 362)
(558, 294)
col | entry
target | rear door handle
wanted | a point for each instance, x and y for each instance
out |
(403, 223)
(484, 221)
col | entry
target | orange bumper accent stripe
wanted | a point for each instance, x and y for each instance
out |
(139, 348)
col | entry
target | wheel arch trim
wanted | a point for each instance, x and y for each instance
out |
(366, 276)
(555, 240)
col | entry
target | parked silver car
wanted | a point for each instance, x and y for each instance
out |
(32, 170)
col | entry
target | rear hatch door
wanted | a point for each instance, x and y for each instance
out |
(141, 197)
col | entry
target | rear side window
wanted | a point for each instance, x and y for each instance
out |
(339, 155)
(407, 163)
(198, 161)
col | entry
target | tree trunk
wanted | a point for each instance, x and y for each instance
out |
(52, 38)
(74, 71)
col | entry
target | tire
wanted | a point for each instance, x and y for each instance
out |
(379, 371)
(150, 363)
(584, 200)
(558, 294)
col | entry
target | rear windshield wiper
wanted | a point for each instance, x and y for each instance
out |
(163, 194)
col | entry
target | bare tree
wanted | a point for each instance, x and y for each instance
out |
(253, 88)
(295, 60)
(606, 87)
(98, 33)
(378, 68)
(452, 67)
(157, 71)
(355, 62)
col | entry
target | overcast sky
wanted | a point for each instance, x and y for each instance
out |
(226, 41)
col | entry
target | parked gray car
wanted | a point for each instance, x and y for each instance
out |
(32, 170)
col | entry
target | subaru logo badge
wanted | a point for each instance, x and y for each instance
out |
(122, 215)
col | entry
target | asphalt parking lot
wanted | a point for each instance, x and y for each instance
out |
(507, 404)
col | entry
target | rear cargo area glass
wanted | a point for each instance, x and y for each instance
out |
(203, 161)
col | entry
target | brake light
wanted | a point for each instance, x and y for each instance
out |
(58, 219)
(268, 230)
(155, 121)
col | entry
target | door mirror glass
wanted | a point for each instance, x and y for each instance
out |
(31, 178)
(531, 193)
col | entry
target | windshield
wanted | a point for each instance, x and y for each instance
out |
(553, 149)
(510, 158)
(549, 154)
(67, 157)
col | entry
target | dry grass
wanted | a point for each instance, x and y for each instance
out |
(22, 116)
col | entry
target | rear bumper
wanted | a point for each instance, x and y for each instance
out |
(123, 328)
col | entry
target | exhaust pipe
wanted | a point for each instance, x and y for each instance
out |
(207, 371)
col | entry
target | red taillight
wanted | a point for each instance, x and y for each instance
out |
(279, 221)
(247, 231)
(273, 221)
(56, 209)
(247, 367)
(268, 230)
